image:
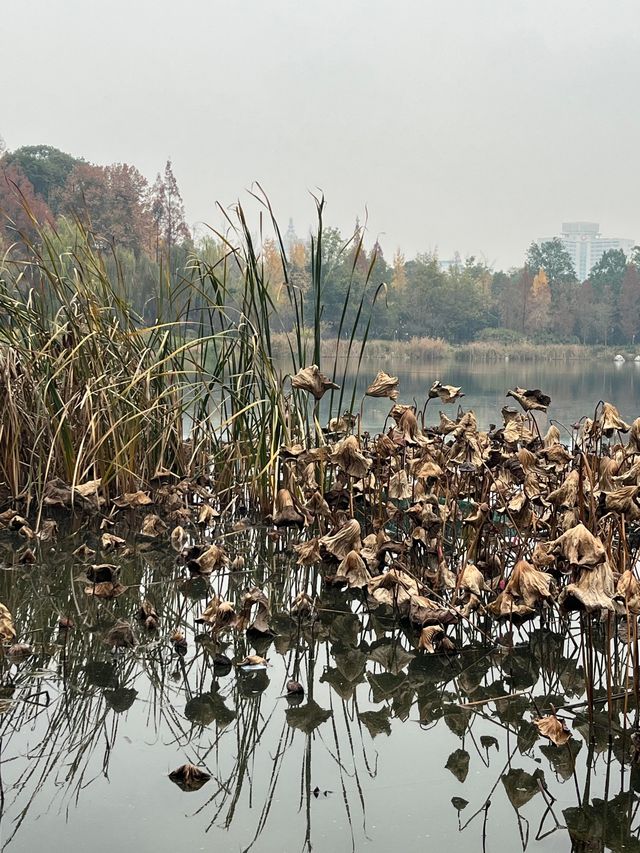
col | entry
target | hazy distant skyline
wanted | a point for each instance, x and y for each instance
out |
(468, 126)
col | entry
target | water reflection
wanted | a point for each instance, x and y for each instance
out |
(389, 745)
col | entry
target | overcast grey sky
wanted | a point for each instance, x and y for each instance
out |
(474, 125)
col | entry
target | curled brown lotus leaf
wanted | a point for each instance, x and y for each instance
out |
(467, 425)
(592, 592)
(346, 539)
(551, 437)
(293, 451)
(446, 426)
(634, 437)
(211, 560)
(120, 636)
(178, 538)
(105, 589)
(189, 777)
(529, 585)
(317, 506)
(607, 471)
(394, 589)
(153, 526)
(27, 557)
(399, 486)
(286, 514)
(530, 399)
(346, 454)
(310, 379)
(7, 630)
(132, 499)
(354, 570)
(303, 605)
(260, 622)
(429, 636)
(553, 728)
(472, 579)
(579, 547)
(429, 470)
(48, 530)
(624, 501)
(111, 542)
(148, 615)
(557, 455)
(610, 420)
(516, 430)
(541, 556)
(628, 592)
(308, 552)
(207, 515)
(423, 611)
(383, 386)
(445, 393)
(102, 572)
(409, 428)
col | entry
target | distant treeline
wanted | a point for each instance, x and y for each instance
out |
(141, 232)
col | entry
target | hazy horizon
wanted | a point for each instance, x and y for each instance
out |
(474, 129)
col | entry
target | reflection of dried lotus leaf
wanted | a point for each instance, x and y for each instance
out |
(27, 557)
(458, 764)
(394, 589)
(472, 579)
(522, 786)
(153, 526)
(102, 572)
(260, 622)
(628, 590)
(346, 454)
(7, 631)
(429, 636)
(133, 499)
(611, 421)
(310, 379)
(579, 547)
(423, 611)
(593, 590)
(553, 728)
(19, 652)
(307, 717)
(506, 606)
(120, 636)
(84, 551)
(446, 393)
(48, 530)
(110, 542)
(105, 590)
(354, 570)
(376, 722)
(303, 605)
(529, 584)
(148, 615)
(346, 539)
(530, 399)
(383, 386)
(308, 552)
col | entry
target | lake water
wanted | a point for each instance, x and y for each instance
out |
(389, 750)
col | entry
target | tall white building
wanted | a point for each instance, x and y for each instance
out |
(586, 245)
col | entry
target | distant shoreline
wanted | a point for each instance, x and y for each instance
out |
(436, 349)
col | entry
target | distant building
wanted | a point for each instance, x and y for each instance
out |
(586, 245)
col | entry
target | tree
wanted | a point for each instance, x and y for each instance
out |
(629, 304)
(552, 257)
(539, 300)
(399, 276)
(167, 210)
(111, 203)
(46, 168)
(21, 210)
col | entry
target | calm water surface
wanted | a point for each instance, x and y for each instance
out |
(384, 753)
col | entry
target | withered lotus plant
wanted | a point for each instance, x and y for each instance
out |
(628, 593)
(592, 592)
(286, 514)
(346, 539)
(354, 570)
(383, 386)
(308, 552)
(579, 547)
(610, 420)
(347, 455)
(429, 637)
(310, 379)
(7, 630)
(445, 393)
(530, 399)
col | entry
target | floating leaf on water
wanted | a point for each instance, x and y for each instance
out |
(189, 778)
(307, 717)
(253, 661)
(458, 764)
(553, 728)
